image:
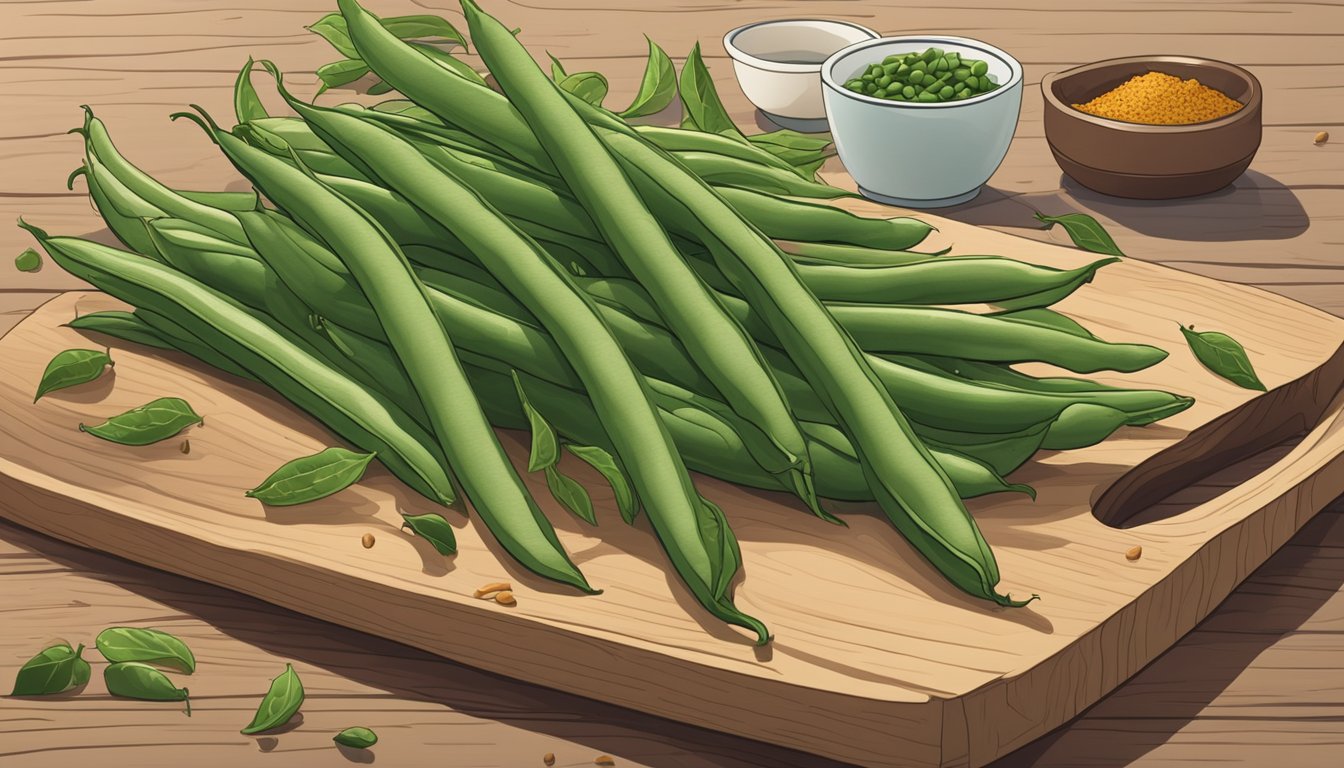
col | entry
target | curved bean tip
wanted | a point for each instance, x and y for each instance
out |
(82, 170)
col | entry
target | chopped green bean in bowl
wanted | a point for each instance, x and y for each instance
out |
(929, 76)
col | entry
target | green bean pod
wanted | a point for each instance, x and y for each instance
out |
(121, 325)
(796, 220)
(297, 375)
(491, 483)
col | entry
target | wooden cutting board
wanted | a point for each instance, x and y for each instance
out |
(876, 659)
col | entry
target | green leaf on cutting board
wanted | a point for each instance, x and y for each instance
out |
(247, 104)
(149, 646)
(658, 87)
(72, 367)
(558, 72)
(154, 421)
(281, 702)
(356, 738)
(338, 73)
(1085, 232)
(1223, 355)
(309, 478)
(432, 528)
(571, 495)
(545, 450)
(597, 458)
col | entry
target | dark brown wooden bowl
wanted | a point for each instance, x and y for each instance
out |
(1151, 162)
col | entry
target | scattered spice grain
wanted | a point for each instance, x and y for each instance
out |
(1157, 98)
(186, 446)
(488, 591)
(548, 758)
(1321, 138)
(367, 540)
(505, 598)
(1134, 553)
(604, 760)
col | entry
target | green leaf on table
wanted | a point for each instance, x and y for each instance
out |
(605, 463)
(333, 29)
(281, 702)
(721, 544)
(154, 421)
(309, 478)
(28, 261)
(434, 529)
(247, 104)
(589, 86)
(571, 495)
(379, 88)
(1223, 355)
(702, 110)
(150, 646)
(809, 170)
(339, 73)
(449, 62)
(558, 72)
(58, 668)
(658, 87)
(545, 450)
(1085, 232)
(137, 680)
(72, 367)
(357, 738)
(423, 27)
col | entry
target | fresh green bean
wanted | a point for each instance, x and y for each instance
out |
(299, 376)
(796, 220)
(716, 342)
(725, 171)
(100, 145)
(121, 325)
(490, 481)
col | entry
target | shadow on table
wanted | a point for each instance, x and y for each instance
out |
(415, 675)
(1165, 697)
(1254, 207)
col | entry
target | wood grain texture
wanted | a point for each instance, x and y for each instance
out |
(1278, 227)
(905, 684)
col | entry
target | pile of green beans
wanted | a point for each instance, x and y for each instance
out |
(676, 298)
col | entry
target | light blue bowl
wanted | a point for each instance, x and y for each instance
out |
(920, 155)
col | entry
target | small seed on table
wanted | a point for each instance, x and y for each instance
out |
(1134, 553)
(367, 540)
(505, 598)
(604, 760)
(1322, 137)
(490, 589)
(548, 758)
(186, 446)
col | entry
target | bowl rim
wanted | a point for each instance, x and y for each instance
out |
(737, 54)
(1251, 105)
(1014, 71)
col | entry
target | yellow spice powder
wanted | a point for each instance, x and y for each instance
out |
(1161, 99)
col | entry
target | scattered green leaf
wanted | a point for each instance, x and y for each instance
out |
(357, 737)
(571, 495)
(333, 29)
(247, 104)
(30, 260)
(379, 88)
(605, 463)
(721, 544)
(136, 680)
(449, 62)
(558, 72)
(281, 702)
(545, 447)
(309, 478)
(702, 109)
(56, 669)
(1085, 232)
(1224, 356)
(145, 645)
(154, 421)
(432, 528)
(658, 87)
(589, 86)
(339, 73)
(423, 27)
(72, 367)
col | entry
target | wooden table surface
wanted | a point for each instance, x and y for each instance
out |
(1257, 682)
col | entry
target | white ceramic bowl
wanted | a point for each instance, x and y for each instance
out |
(778, 65)
(921, 155)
